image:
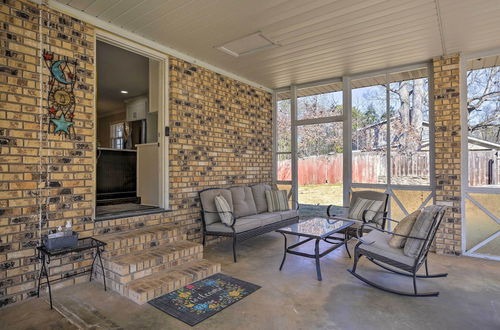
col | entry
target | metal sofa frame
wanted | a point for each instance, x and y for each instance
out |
(242, 236)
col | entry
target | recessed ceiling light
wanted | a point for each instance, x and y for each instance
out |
(246, 45)
(124, 92)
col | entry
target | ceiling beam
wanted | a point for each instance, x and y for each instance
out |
(440, 25)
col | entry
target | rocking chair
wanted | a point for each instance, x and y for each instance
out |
(375, 247)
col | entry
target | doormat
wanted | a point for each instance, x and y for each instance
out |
(200, 300)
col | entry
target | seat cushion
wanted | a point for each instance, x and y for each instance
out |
(381, 247)
(243, 203)
(240, 225)
(264, 218)
(403, 228)
(207, 198)
(259, 196)
(285, 215)
(420, 229)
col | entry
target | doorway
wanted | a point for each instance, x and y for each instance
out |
(130, 112)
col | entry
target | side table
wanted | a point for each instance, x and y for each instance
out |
(88, 243)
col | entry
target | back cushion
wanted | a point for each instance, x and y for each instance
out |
(420, 229)
(277, 200)
(259, 196)
(243, 202)
(361, 205)
(207, 198)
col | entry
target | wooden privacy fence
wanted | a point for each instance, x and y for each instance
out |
(370, 167)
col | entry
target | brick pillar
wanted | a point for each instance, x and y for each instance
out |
(448, 150)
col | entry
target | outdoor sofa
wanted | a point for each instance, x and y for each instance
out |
(249, 212)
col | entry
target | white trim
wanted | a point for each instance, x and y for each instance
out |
(163, 111)
(481, 255)
(275, 138)
(347, 140)
(294, 160)
(482, 208)
(484, 242)
(464, 147)
(465, 188)
(401, 68)
(478, 54)
(321, 120)
(146, 42)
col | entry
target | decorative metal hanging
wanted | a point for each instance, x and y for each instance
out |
(61, 98)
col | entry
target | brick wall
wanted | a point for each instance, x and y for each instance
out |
(448, 151)
(41, 173)
(220, 136)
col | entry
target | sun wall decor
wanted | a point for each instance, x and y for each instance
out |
(61, 98)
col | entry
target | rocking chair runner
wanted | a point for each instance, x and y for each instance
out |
(376, 249)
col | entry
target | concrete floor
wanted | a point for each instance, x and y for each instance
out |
(292, 298)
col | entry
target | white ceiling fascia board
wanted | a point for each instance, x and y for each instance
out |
(146, 42)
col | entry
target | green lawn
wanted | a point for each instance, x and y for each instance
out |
(320, 194)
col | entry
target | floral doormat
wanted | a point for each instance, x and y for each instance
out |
(200, 300)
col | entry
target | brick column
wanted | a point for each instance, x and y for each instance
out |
(448, 150)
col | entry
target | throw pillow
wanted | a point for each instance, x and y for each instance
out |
(277, 200)
(403, 228)
(224, 210)
(362, 204)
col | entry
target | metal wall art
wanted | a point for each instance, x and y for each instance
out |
(61, 99)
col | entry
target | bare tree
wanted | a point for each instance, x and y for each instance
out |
(483, 103)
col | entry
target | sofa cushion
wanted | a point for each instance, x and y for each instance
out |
(285, 215)
(420, 229)
(380, 246)
(259, 196)
(243, 203)
(240, 225)
(224, 210)
(277, 200)
(403, 228)
(264, 218)
(207, 198)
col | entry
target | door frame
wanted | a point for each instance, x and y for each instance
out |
(163, 106)
(465, 188)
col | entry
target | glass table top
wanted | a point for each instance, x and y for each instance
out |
(316, 227)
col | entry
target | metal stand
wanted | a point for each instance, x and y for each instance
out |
(335, 241)
(84, 244)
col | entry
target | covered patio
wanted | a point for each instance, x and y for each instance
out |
(291, 299)
(249, 164)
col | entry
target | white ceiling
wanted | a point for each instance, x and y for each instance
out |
(319, 38)
(117, 70)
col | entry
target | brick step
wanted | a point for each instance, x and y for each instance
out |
(147, 288)
(140, 239)
(138, 264)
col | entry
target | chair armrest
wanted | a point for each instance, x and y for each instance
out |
(376, 212)
(232, 216)
(386, 231)
(392, 220)
(328, 210)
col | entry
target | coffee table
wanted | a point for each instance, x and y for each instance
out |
(317, 229)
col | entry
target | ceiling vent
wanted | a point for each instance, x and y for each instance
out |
(247, 45)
